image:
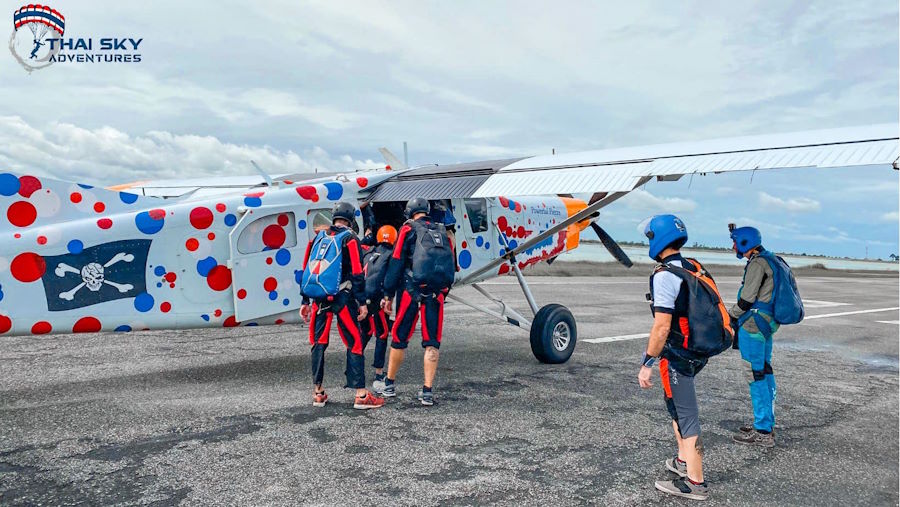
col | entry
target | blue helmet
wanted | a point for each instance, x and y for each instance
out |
(663, 231)
(745, 239)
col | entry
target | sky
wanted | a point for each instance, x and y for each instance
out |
(303, 85)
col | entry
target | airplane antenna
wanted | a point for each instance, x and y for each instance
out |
(263, 173)
(553, 152)
(405, 155)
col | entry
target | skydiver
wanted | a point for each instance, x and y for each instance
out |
(37, 45)
(677, 365)
(347, 307)
(378, 324)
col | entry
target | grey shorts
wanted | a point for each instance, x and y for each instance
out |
(681, 399)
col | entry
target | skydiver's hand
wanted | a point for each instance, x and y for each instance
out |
(644, 377)
(387, 304)
(304, 313)
(363, 313)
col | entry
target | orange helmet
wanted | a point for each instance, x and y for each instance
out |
(386, 234)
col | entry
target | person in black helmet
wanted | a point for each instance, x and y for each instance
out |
(347, 308)
(415, 300)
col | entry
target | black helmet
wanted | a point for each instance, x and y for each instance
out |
(343, 210)
(417, 205)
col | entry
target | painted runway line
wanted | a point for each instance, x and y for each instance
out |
(621, 338)
(891, 322)
(858, 312)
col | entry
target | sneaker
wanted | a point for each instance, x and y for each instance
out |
(684, 488)
(748, 428)
(677, 466)
(427, 398)
(389, 391)
(319, 399)
(755, 438)
(368, 401)
(378, 385)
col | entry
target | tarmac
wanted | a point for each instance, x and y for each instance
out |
(223, 416)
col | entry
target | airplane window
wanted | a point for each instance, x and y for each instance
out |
(478, 217)
(270, 232)
(321, 219)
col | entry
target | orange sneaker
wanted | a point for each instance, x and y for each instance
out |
(319, 399)
(368, 401)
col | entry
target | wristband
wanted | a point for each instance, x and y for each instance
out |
(647, 360)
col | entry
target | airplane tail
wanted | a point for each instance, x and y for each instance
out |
(30, 201)
(392, 161)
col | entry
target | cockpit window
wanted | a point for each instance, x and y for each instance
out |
(476, 209)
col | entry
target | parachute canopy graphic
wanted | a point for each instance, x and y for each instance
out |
(39, 18)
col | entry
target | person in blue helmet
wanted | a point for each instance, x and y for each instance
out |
(756, 325)
(677, 365)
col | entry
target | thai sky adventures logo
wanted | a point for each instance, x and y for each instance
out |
(42, 43)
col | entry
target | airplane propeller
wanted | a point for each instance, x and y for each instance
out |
(612, 246)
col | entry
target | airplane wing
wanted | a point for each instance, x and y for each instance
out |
(200, 187)
(624, 169)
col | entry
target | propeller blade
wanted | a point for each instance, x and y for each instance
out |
(612, 246)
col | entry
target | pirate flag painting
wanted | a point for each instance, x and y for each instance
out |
(97, 274)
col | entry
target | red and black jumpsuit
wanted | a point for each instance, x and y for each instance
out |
(377, 324)
(343, 308)
(413, 302)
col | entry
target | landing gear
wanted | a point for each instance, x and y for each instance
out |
(553, 334)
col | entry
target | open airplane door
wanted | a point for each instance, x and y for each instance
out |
(474, 247)
(266, 255)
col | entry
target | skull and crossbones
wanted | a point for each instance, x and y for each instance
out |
(92, 276)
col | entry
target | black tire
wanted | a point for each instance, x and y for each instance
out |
(547, 348)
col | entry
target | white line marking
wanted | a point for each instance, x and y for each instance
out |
(891, 322)
(617, 338)
(876, 310)
(822, 304)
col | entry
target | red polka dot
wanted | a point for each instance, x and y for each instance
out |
(283, 220)
(201, 217)
(99, 207)
(211, 236)
(273, 236)
(75, 197)
(509, 231)
(501, 222)
(504, 202)
(504, 268)
(518, 208)
(270, 284)
(241, 294)
(268, 260)
(157, 214)
(27, 267)
(104, 223)
(255, 194)
(21, 213)
(464, 245)
(308, 193)
(219, 278)
(192, 244)
(165, 307)
(230, 322)
(171, 276)
(5, 324)
(87, 325)
(279, 321)
(362, 181)
(42, 327)
(171, 285)
(28, 185)
(220, 208)
(17, 235)
(42, 240)
(218, 312)
(521, 231)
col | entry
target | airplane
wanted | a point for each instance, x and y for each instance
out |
(226, 252)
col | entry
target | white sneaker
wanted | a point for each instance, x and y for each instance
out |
(378, 386)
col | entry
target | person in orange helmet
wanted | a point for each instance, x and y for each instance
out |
(378, 324)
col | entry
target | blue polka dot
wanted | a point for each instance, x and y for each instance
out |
(147, 224)
(335, 190)
(159, 271)
(75, 246)
(513, 244)
(158, 284)
(298, 275)
(143, 302)
(487, 245)
(479, 241)
(9, 184)
(230, 220)
(358, 213)
(252, 202)
(301, 224)
(124, 328)
(1, 293)
(205, 317)
(273, 295)
(82, 185)
(286, 302)
(128, 198)
(512, 206)
(465, 259)
(204, 266)
(502, 252)
(283, 257)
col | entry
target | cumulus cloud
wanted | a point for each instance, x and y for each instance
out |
(106, 155)
(893, 216)
(793, 204)
(642, 200)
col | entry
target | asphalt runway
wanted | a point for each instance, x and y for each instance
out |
(224, 416)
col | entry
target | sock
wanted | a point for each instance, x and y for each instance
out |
(695, 483)
(379, 376)
(388, 381)
(426, 389)
(680, 460)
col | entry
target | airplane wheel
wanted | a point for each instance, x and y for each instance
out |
(553, 334)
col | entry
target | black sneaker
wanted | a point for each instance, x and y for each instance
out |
(426, 397)
(684, 488)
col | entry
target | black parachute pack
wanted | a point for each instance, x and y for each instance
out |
(433, 264)
(375, 265)
(709, 330)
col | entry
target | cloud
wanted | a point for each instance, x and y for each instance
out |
(893, 216)
(793, 205)
(642, 200)
(106, 155)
